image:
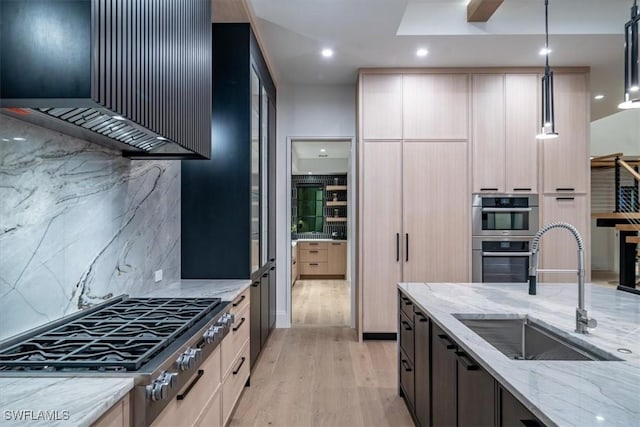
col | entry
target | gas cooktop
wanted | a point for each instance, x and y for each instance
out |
(119, 336)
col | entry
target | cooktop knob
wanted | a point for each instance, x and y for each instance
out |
(160, 387)
(188, 359)
(213, 334)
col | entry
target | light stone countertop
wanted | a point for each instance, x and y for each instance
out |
(225, 289)
(67, 402)
(87, 399)
(564, 393)
(318, 240)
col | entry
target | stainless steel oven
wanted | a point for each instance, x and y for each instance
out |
(500, 259)
(504, 215)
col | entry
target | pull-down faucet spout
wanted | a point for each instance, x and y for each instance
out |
(582, 320)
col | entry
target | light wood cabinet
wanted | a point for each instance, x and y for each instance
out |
(233, 342)
(381, 106)
(505, 151)
(435, 106)
(294, 264)
(436, 212)
(558, 248)
(521, 128)
(566, 158)
(118, 416)
(406, 235)
(337, 258)
(234, 382)
(488, 133)
(212, 415)
(380, 233)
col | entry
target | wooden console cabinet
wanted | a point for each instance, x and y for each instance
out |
(322, 259)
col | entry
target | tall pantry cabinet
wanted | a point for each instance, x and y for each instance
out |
(413, 166)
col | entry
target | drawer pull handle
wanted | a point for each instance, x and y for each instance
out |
(397, 247)
(313, 252)
(407, 247)
(565, 198)
(565, 189)
(193, 383)
(235, 372)
(407, 301)
(422, 317)
(407, 325)
(273, 268)
(466, 361)
(265, 275)
(235, 304)
(406, 365)
(239, 324)
(522, 189)
(488, 189)
(447, 341)
(255, 284)
(314, 264)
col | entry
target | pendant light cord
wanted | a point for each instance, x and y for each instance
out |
(546, 32)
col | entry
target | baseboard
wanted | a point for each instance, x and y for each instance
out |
(387, 336)
(629, 289)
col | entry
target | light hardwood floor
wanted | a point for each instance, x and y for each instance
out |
(320, 303)
(318, 374)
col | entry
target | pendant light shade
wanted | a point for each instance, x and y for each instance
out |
(631, 60)
(548, 126)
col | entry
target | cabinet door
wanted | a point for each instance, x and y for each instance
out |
(435, 106)
(488, 133)
(558, 247)
(513, 413)
(381, 184)
(255, 342)
(264, 309)
(521, 146)
(422, 358)
(337, 258)
(566, 158)
(381, 106)
(407, 379)
(476, 394)
(272, 297)
(443, 379)
(436, 212)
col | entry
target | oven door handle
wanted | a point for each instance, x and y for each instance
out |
(507, 209)
(503, 254)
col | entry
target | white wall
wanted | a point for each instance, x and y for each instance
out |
(305, 111)
(618, 133)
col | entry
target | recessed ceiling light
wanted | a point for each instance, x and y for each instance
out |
(161, 138)
(598, 97)
(327, 53)
(308, 173)
(545, 51)
(19, 139)
(5, 139)
(118, 118)
(634, 88)
(422, 52)
(322, 150)
(599, 418)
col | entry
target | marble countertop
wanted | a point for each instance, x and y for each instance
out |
(564, 393)
(225, 289)
(50, 402)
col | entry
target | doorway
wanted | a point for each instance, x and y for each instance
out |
(320, 206)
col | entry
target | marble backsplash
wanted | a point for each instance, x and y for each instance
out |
(79, 224)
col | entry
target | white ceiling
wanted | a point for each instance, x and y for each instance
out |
(386, 33)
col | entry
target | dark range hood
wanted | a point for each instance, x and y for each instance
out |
(134, 75)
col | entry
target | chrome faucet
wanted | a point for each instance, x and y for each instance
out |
(582, 320)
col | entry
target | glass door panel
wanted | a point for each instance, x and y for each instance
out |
(255, 171)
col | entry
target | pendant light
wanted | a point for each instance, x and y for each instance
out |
(631, 60)
(548, 123)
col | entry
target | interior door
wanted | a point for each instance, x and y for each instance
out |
(436, 212)
(381, 234)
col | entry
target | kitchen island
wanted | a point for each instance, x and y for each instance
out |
(565, 393)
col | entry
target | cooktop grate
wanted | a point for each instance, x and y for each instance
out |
(122, 336)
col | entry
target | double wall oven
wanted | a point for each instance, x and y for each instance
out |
(503, 227)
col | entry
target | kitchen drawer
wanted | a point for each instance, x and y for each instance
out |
(314, 255)
(187, 411)
(406, 336)
(212, 415)
(235, 339)
(312, 246)
(234, 383)
(407, 378)
(310, 268)
(406, 306)
(240, 302)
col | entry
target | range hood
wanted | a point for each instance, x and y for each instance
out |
(134, 75)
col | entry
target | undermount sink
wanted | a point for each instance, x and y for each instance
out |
(523, 338)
